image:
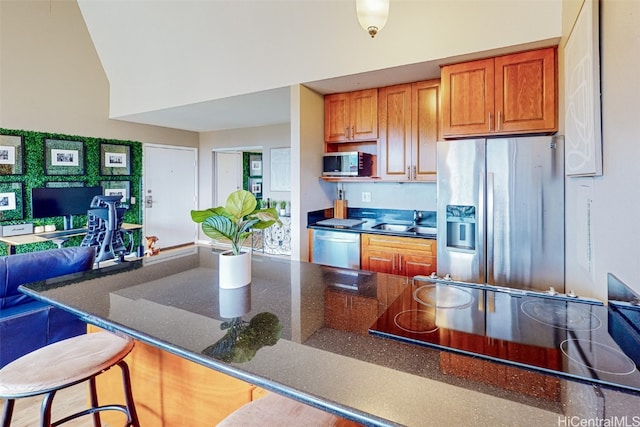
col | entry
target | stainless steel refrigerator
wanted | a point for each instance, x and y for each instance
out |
(501, 211)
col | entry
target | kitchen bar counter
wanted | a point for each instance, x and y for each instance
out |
(324, 357)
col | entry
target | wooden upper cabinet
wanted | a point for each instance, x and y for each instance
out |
(426, 128)
(525, 92)
(508, 94)
(351, 116)
(409, 120)
(394, 145)
(467, 97)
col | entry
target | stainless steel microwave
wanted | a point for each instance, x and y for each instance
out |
(347, 163)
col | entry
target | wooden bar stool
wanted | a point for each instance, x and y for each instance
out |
(63, 364)
(274, 410)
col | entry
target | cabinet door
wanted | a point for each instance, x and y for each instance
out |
(336, 117)
(425, 129)
(364, 115)
(364, 312)
(468, 98)
(395, 132)
(415, 264)
(525, 85)
(336, 310)
(379, 260)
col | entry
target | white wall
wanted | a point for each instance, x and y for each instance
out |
(266, 137)
(177, 52)
(615, 195)
(52, 79)
(309, 193)
(387, 195)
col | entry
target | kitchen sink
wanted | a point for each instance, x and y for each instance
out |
(392, 227)
(422, 229)
(405, 228)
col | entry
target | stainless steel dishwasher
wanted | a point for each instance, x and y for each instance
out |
(336, 248)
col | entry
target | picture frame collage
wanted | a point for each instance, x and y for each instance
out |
(62, 158)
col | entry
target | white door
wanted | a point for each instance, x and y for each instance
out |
(170, 193)
(228, 175)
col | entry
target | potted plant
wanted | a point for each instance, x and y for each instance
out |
(38, 226)
(283, 208)
(235, 222)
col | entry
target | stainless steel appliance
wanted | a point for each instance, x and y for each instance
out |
(347, 163)
(336, 248)
(501, 211)
(563, 335)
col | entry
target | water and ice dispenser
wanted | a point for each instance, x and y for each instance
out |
(461, 227)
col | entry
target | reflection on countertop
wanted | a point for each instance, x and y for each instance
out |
(324, 356)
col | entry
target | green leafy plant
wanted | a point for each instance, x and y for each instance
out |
(235, 221)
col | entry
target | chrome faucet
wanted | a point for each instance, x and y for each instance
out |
(417, 215)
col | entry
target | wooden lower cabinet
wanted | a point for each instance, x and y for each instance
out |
(405, 256)
(348, 312)
(171, 391)
(510, 378)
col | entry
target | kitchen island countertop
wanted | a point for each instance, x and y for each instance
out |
(324, 357)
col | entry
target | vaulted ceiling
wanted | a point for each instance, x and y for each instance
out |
(206, 65)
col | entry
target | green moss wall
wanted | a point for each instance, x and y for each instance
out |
(33, 154)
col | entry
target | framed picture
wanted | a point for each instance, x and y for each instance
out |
(11, 155)
(255, 165)
(11, 201)
(280, 169)
(64, 184)
(115, 159)
(122, 188)
(63, 157)
(255, 187)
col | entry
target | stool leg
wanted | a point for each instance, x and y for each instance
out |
(7, 412)
(128, 395)
(93, 394)
(45, 409)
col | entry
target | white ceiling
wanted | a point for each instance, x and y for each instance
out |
(272, 106)
(225, 75)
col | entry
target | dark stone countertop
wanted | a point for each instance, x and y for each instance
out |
(372, 217)
(325, 356)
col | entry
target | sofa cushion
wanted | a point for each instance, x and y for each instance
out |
(16, 270)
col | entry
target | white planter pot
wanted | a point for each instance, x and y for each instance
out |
(235, 302)
(234, 270)
(50, 227)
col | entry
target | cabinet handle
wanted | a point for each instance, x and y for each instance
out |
(352, 133)
(498, 123)
(346, 132)
(415, 173)
(409, 173)
(400, 263)
(393, 263)
(489, 122)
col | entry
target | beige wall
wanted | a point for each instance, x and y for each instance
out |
(263, 137)
(615, 195)
(51, 79)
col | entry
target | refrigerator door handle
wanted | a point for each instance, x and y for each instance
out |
(490, 227)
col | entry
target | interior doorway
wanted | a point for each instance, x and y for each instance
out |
(228, 175)
(232, 170)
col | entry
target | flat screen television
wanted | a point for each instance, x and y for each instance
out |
(65, 202)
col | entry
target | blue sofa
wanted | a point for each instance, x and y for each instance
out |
(27, 324)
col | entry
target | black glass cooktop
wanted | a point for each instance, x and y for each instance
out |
(567, 337)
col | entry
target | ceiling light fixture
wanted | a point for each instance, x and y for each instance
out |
(372, 15)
